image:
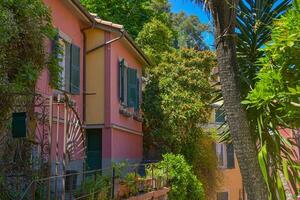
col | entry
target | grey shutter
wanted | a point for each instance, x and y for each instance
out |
(75, 70)
(230, 156)
(131, 87)
(122, 81)
(68, 67)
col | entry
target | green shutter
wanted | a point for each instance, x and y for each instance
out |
(131, 87)
(67, 67)
(138, 85)
(230, 156)
(75, 70)
(19, 125)
(122, 81)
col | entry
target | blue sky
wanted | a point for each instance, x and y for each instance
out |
(193, 9)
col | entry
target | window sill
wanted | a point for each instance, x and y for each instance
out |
(129, 112)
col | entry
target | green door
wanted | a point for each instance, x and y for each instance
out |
(94, 148)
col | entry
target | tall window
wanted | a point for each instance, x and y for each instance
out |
(129, 86)
(69, 56)
(225, 154)
(219, 116)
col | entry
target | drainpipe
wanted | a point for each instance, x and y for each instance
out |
(122, 31)
(108, 42)
(84, 69)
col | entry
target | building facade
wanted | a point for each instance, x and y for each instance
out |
(113, 84)
(231, 186)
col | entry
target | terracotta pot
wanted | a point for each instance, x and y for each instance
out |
(123, 190)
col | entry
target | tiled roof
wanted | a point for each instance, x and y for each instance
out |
(107, 23)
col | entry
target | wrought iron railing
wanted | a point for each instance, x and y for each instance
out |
(118, 182)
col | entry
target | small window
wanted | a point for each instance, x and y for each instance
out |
(219, 116)
(222, 195)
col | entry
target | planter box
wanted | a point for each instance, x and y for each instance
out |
(153, 195)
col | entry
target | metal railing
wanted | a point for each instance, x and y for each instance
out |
(117, 182)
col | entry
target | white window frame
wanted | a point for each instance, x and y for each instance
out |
(62, 63)
(219, 148)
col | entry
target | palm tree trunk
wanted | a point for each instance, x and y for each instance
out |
(223, 12)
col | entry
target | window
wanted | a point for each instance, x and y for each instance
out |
(222, 195)
(70, 62)
(129, 86)
(219, 116)
(225, 154)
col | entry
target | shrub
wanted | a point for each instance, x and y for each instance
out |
(184, 184)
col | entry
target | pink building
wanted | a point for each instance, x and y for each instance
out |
(67, 138)
(113, 84)
(95, 117)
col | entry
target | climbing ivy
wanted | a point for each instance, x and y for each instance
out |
(25, 31)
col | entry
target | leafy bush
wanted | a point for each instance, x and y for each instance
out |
(184, 184)
(95, 188)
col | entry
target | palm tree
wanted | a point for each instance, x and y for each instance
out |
(224, 15)
(254, 26)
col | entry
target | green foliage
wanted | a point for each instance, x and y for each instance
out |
(176, 104)
(275, 99)
(177, 96)
(254, 24)
(184, 184)
(95, 188)
(202, 156)
(155, 38)
(24, 26)
(189, 31)
(132, 14)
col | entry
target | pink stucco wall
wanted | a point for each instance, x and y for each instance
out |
(119, 144)
(118, 50)
(65, 20)
(127, 145)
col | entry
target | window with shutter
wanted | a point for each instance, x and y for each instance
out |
(75, 70)
(131, 87)
(220, 150)
(230, 156)
(219, 116)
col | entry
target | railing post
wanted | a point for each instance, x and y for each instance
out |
(95, 175)
(33, 188)
(71, 187)
(113, 183)
(152, 174)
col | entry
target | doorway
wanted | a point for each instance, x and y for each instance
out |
(94, 149)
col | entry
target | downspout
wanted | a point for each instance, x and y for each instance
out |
(84, 69)
(122, 31)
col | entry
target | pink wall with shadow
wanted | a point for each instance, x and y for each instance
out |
(118, 50)
(65, 20)
(119, 144)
